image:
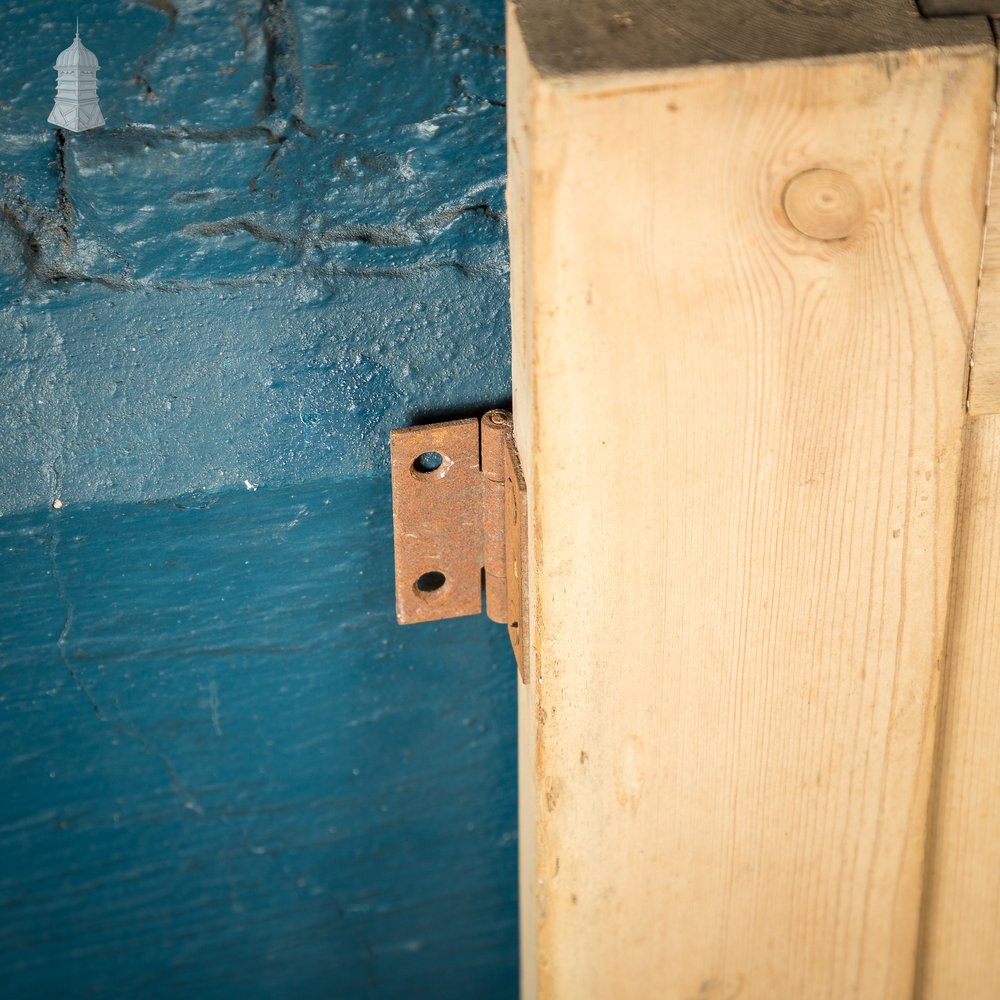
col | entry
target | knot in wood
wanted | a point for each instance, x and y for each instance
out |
(824, 204)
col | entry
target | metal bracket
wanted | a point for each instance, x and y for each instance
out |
(459, 510)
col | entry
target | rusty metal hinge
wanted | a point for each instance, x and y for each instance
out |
(459, 515)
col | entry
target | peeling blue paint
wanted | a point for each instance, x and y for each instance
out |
(227, 771)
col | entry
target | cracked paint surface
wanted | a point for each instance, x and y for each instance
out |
(227, 771)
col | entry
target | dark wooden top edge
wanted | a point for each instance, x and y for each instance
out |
(567, 38)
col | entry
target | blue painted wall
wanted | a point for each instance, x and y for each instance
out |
(227, 772)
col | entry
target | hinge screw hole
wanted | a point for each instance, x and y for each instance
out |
(430, 465)
(427, 583)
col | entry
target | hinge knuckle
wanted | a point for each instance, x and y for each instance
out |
(494, 429)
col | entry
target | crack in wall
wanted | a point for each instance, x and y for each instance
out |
(163, 6)
(420, 231)
(166, 8)
(284, 90)
(16, 223)
(327, 272)
(36, 229)
(461, 91)
(277, 276)
(203, 135)
(275, 153)
(284, 100)
(180, 791)
(64, 202)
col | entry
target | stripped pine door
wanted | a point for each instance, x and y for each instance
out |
(745, 246)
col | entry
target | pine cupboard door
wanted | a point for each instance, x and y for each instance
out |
(746, 241)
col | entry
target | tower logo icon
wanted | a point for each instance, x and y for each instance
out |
(77, 107)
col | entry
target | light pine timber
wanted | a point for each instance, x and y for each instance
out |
(984, 378)
(742, 445)
(960, 956)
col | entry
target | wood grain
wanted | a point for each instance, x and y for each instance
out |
(522, 83)
(962, 907)
(742, 446)
(984, 376)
